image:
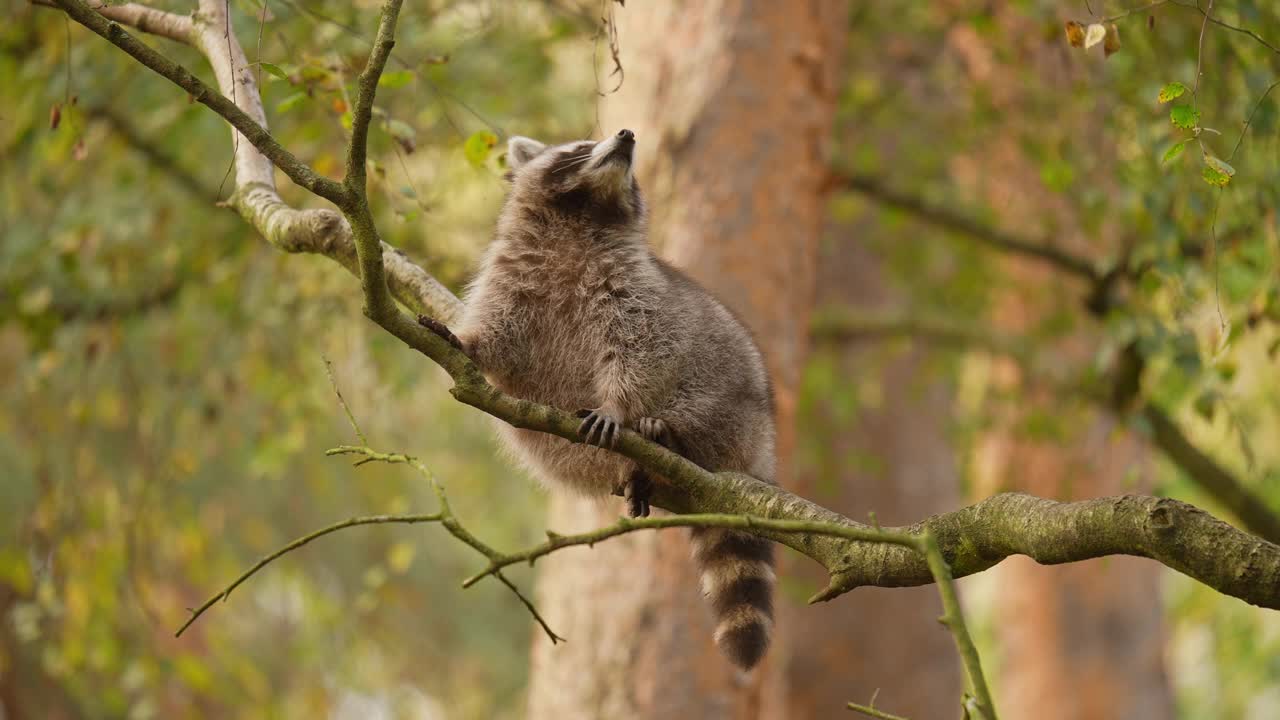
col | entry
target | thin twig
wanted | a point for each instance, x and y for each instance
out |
(871, 711)
(449, 521)
(1127, 13)
(1195, 91)
(1234, 28)
(333, 382)
(353, 522)
(367, 88)
(1249, 120)
(953, 618)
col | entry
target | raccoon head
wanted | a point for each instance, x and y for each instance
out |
(579, 182)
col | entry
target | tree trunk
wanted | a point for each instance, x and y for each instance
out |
(875, 640)
(732, 103)
(1084, 640)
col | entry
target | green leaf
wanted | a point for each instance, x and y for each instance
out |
(274, 70)
(1185, 117)
(1174, 152)
(1219, 165)
(396, 79)
(1215, 177)
(1172, 91)
(478, 146)
(291, 102)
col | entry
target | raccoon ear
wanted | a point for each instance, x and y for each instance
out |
(521, 150)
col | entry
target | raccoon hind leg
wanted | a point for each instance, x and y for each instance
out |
(636, 484)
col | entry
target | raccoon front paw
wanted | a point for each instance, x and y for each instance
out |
(636, 490)
(440, 329)
(599, 428)
(656, 430)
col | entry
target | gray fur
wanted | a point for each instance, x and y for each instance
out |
(572, 309)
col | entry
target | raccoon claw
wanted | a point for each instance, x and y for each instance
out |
(440, 329)
(636, 490)
(655, 430)
(599, 428)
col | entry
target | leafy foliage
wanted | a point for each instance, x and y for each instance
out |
(169, 406)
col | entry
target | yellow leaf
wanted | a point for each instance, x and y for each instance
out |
(1075, 33)
(1111, 44)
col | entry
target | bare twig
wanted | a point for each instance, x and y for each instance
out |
(1208, 14)
(1233, 28)
(351, 418)
(1138, 9)
(449, 521)
(871, 711)
(353, 522)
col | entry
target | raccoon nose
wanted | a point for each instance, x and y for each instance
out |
(626, 136)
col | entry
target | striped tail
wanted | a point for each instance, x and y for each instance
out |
(737, 579)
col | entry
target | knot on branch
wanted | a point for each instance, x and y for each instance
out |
(328, 225)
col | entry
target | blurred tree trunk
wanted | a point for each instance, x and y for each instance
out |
(732, 104)
(1084, 640)
(893, 458)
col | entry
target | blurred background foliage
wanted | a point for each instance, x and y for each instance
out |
(166, 405)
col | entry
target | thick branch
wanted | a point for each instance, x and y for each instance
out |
(326, 232)
(948, 219)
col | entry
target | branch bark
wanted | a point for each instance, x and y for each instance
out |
(971, 539)
(948, 219)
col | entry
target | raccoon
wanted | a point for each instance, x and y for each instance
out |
(571, 308)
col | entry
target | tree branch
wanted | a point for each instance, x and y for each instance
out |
(352, 522)
(322, 232)
(252, 129)
(160, 160)
(148, 20)
(377, 301)
(1251, 509)
(947, 219)
(970, 540)
(99, 309)
(367, 85)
